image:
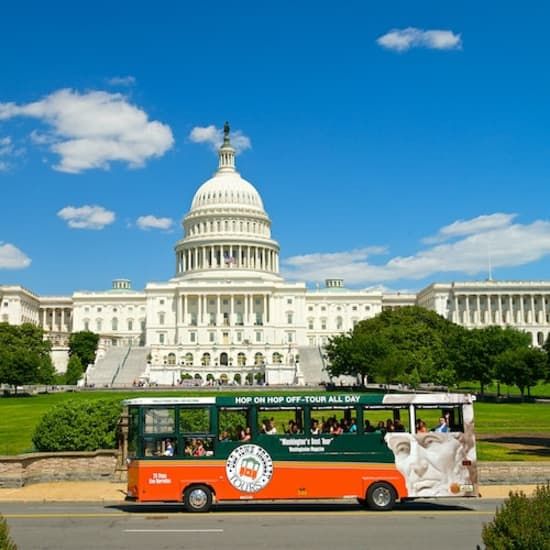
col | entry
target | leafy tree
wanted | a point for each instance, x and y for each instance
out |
(522, 367)
(74, 370)
(79, 426)
(84, 344)
(406, 344)
(24, 355)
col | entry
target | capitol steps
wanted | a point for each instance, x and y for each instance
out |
(133, 367)
(312, 365)
(102, 373)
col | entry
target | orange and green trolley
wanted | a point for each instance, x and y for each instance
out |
(377, 448)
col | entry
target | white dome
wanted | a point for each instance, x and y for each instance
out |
(227, 189)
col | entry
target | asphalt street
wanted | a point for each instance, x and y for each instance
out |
(416, 525)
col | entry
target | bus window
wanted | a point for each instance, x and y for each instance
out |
(428, 418)
(198, 447)
(232, 424)
(335, 421)
(289, 421)
(159, 421)
(194, 420)
(133, 432)
(382, 420)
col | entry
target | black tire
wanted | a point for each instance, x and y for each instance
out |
(197, 498)
(381, 496)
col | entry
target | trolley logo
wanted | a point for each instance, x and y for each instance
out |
(249, 468)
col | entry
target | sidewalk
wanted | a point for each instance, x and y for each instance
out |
(105, 491)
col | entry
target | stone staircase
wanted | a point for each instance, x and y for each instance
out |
(133, 367)
(312, 365)
(102, 373)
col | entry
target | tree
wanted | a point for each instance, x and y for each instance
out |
(24, 355)
(406, 344)
(74, 370)
(84, 344)
(522, 367)
(482, 347)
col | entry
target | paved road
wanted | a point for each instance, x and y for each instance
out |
(416, 525)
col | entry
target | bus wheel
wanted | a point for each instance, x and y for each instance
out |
(381, 496)
(197, 498)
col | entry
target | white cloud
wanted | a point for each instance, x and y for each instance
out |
(401, 40)
(12, 258)
(87, 217)
(152, 222)
(509, 245)
(122, 80)
(214, 138)
(480, 224)
(93, 129)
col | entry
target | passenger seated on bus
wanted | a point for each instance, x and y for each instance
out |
(292, 428)
(247, 435)
(240, 433)
(168, 448)
(381, 427)
(369, 428)
(398, 426)
(352, 426)
(442, 427)
(315, 427)
(189, 445)
(199, 449)
(224, 436)
(268, 426)
(421, 426)
(336, 428)
(389, 425)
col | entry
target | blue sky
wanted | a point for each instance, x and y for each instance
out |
(393, 143)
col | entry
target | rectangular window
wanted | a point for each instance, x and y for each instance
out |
(211, 336)
(382, 419)
(333, 420)
(159, 421)
(258, 336)
(232, 424)
(324, 324)
(161, 338)
(193, 337)
(281, 422)
(289, 318)
(239, 336)
(310, 324)
(194, 420)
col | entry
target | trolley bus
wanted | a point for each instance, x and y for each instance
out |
(376, 448)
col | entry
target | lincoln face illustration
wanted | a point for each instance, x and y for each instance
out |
(432, 463)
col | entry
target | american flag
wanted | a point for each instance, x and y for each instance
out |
(228, 259)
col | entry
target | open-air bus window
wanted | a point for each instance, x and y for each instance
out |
(428, 417)
(274, 421)
(133, 432)
(333, 420)
(194, 420)
(233, 423)
(384, 419)
(159, 420)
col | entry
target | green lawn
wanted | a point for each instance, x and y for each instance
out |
(540, 390)
(19, 416)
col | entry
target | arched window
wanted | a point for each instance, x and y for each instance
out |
(241, 359)
(277, 358)
(171, 358)
(224, 359)
(540, 338)
(189, 359)
(98, 325)
(258, 359)
(114, 324)
(205, 360)
(130, 324)
(339, 323)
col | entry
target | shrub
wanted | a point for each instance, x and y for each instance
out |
(522, 523)
(79, 426)
(5, 541)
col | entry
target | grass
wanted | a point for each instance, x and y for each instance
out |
(20, 415)
(540, 390)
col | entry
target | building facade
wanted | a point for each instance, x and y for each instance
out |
(228, 311)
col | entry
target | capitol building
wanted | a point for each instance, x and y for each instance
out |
(228, 315)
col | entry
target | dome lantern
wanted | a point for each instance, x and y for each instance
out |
(226, 152)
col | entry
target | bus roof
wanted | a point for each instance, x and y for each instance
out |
(326, 400)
